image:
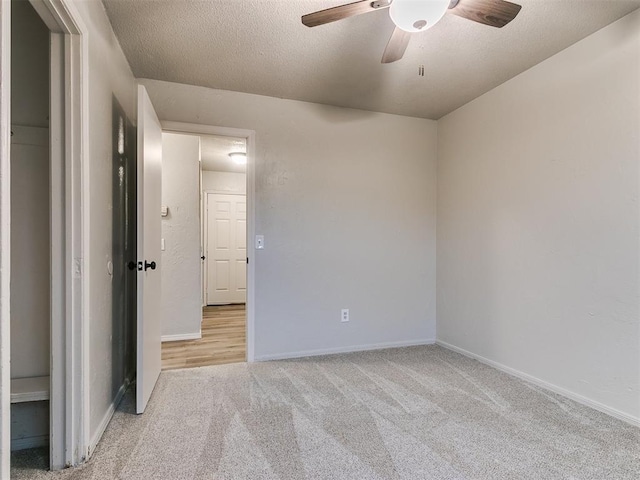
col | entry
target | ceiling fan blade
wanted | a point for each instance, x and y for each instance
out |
(343, 11)
(396, 46)
(496, 13)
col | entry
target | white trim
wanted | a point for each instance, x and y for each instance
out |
(69, 129)
(181, 336)
(199, 129)
(30, 389)
(5, 238)
(250, 135)
(104, 423)
(29, 442)
(78, 237)
(223, 192)
(84, 366)
(58, 404)
(203, 283)
(625, 417)
(350, 349)
(204, 236)
(251, 233)
(27, 135)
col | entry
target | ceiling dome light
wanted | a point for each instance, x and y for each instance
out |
(417, 15)
(239, 158)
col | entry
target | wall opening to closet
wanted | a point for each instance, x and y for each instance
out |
(30, 231)
(47, 171)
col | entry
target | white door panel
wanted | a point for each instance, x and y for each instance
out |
(149, 232)
(241, 275)
(226, 248)
(241, 234)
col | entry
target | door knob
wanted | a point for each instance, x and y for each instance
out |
(149, 265)
(132, 265)
(202, 257)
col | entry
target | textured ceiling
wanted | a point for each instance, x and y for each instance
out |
(215, 150)
(261, 47)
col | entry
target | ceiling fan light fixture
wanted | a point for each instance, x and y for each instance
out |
(239, 158)
(417, 15)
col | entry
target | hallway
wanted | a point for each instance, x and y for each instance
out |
(223, 340)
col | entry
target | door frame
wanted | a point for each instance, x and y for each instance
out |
(5, 238)
(69, 397)
(250, 135)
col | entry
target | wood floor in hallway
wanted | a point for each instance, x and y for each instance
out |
(223, 340)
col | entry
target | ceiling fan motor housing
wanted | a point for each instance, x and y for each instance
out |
(417, 15)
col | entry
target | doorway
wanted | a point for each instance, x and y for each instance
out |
(224, 220)
(32, 254)
(223, 275)
(51, 150)
(30, 233)
(46, 142)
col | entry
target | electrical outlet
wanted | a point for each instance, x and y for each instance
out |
(344, 315)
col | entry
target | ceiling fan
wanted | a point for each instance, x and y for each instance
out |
(411, 16)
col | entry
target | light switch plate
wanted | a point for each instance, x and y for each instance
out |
(259, 242)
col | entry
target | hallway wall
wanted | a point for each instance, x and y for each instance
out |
(181, 264)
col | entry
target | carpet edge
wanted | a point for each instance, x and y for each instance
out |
(625, 417)
(348, 349)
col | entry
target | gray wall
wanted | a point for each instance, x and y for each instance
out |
(30, 253)
(109, 76)
(30, 257)
(538, 221)
(29, 67)
(181, 264)
(346, 202)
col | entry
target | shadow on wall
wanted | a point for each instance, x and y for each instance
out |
(339, 115)
(342, 52)
(124, 214)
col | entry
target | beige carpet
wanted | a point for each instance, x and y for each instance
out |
(413, 413)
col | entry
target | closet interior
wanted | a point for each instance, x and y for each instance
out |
(30, 229)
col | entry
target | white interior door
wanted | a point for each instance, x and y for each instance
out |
(226, 249)
(149, 231)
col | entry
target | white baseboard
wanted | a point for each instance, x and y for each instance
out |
(351, 349)
(625, 417)
(29, 442)
(104, 423)
(182, 336)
